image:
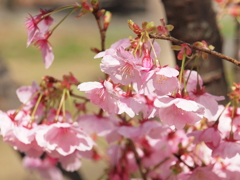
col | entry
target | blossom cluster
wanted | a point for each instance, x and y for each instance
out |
(158, 121)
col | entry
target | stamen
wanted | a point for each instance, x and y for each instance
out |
(126, 71)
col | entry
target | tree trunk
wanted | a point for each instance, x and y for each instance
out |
(237, 54)
(195, 20)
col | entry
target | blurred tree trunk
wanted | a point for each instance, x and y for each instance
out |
(237, 53)
(8, 97)
(195, 20)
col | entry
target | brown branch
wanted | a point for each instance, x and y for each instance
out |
(138, 160)
(159, 164)
(101, 29)
(177, 41)
(180, 160)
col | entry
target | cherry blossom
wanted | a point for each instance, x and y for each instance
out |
(178, 111)
(45, 167)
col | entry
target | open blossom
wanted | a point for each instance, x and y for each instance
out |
(62, 139)
(197, 92)
(210, 136)
(21, 137)
(101, 94)
(102, 126)
(226, 149)
(122, 67)
(178, 111)
(110, 99)
(162, 81)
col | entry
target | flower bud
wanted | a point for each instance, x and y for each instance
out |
(106, 19)
(147, 61)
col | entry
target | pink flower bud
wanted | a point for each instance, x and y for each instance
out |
(106, 19)
(147, 61)
(234, 10)
(134, 27)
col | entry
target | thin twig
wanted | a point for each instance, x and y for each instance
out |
(138, 160)
(180, 160)
(159, 164)
(177, 41)
(80, 97)
(101, 29)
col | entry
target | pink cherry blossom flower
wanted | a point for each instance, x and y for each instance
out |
(124, 43)
(71, 162)
(147, 61)
(28, 95)
(19, 135)
(101, 94)
(203, 173)
(178, 111)
(121, 67)
(162, 81)
(226, 149)
(62, 139)
(45, 167)
(210, 136)
(131, 104)
(41, 41)
(102, 126)
(36, 24)
(197, 92)
(146, 128)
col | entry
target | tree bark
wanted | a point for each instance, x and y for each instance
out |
(193, 21)
(237, 53)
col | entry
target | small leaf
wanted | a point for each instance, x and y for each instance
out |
(169, 27)
(176, 47)
(211, 47)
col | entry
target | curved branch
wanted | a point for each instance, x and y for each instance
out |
(177, 41)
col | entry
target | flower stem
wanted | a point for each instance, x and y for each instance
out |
(62, 20)
(60, 104)
(35, 107)
(182, 70)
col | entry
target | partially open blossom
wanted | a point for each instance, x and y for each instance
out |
(37, 24)
(42, 43)
(184, 48)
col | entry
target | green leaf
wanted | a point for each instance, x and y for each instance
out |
(170, 27)
(176, 47)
